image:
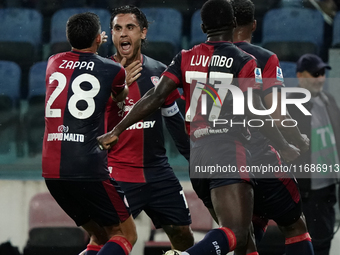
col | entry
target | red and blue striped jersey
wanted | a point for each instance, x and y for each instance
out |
(269, 64)
(140, 155)
(272, 76)
(203, 72)
(78, 86)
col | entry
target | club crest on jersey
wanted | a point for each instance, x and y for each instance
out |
(279, 75)
(258, 75)
(63, 128)
(155, 80)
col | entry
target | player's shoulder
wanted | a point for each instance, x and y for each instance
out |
(231, 50)
(148, 61)
(107, 64)
(106, 61)
(152, 64)
(265, 53)
(202, 47)
(255, 50)
(57, 56)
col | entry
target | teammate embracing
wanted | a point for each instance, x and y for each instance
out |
(78, 86)
(139, 162)
(276, 196)
(229, 199)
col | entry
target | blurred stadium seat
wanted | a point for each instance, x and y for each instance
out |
(201, 223)
(336, 31)
(292, 3)
(164, 37)
(51, 230)
(20, 25)
(73, 3)
(261, 7)
(289, 73)
(20, 40)
(292, 32)
(10, 75)
(180, 5)
(196, 36)
(59, 43)
(34, 118)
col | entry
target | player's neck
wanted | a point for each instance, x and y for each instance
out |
(242, 34)
(242, 39)
(220, 36)
(87, 50)
(119, 58)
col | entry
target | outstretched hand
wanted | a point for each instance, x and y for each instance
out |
(106, 141)
(132, 70)
(104, 37)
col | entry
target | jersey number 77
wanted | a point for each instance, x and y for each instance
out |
(200, 82)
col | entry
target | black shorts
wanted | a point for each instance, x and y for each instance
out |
(230, 154)
(163, 201)
(101, 201)
(277, 199)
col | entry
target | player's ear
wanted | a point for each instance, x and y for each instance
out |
(144, 32)
(99, 38)
(204, 29)
(254, 25)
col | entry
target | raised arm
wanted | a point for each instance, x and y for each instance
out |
(149, 103)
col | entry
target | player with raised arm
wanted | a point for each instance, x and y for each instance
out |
(276, 195)
(78, 86)
(139, 162)
(229, 199)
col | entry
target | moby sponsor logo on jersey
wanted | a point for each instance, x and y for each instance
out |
(142, 124)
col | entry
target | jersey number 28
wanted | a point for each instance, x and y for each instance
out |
(79, 94)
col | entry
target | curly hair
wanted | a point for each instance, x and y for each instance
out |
(244, 11)
(216, 14)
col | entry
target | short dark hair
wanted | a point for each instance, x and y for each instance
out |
(216, 14)
(244, 11)
(82, 29)
(143, 22)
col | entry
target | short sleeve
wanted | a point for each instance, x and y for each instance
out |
(250, 76)
(119, 82)
(173, 71)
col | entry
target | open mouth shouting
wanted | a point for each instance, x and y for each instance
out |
(125, 47)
